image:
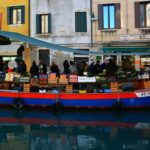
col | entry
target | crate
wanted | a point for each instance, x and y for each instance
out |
(6, 86)
(114, 86)
(147, 84)
(63, 79)
(26, 87)
(34, 82)
(69, 88)
(1, 86)
(144, 84)
(52, 79)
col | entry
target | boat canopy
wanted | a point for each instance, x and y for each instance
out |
(102, 51)
(33, 41)
(126, 49)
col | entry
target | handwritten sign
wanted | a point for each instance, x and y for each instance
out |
(34, 81)
(24, 79)
(83, 79)
(43, 79)
(9, 77)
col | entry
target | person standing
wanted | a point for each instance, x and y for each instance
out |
(54, 68)
(34, 70)
(111, 70)
(66, 67)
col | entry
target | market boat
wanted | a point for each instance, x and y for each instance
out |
(58, 99)
(136, 99)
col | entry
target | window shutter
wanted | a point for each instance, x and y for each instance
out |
(137, 14)
(77, 21)
(22, 14)
(38, 24)
(9, 15)
(83, 21)
(117, 16)
(49, 23)
(100, 16)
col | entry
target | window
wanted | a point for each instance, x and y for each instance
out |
(80, 22)
(44, 56)
(109, 16)
(16, 15)
(43, 23)
(142, 14)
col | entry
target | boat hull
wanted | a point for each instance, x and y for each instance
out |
(76, 100)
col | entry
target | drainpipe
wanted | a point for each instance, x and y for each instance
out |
(127, 29)
(91, 10)
(29, 14)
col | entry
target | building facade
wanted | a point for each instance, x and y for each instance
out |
(65, 22)
(14, 17)
(121, 25)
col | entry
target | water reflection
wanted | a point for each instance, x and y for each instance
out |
(38, 130)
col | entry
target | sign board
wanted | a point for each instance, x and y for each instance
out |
(84, 79)
(9, 77)
(43, 79)
(73, 78)
(34, 81)
(98, 57)
(24, 79)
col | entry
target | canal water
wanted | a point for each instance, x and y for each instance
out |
(103, 130)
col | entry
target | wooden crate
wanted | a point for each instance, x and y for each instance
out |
(34, 82)
(63, 79)
(114, 86)
(26, 87)
(144, 84)
(52, 79)
(6, 86)
(147, 84)
(69, 88)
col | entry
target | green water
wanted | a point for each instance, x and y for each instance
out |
(42, 130)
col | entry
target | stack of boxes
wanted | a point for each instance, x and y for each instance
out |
(26, 87)
(144, 84)
(52, 79)
(63, 79)
(114, 86)
(69, 88)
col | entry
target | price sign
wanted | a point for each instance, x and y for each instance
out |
(9, 77)
(34, 82)
(43, 79)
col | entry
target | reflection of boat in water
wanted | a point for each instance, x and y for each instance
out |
(110, 119)
(74, 130)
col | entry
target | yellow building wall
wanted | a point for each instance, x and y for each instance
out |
(19, 28)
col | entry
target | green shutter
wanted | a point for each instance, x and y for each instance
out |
(80, 22)
(9, 15)
(38, 24)
(22, 14)
(83, 21)
(77, 22)
(49, 23)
